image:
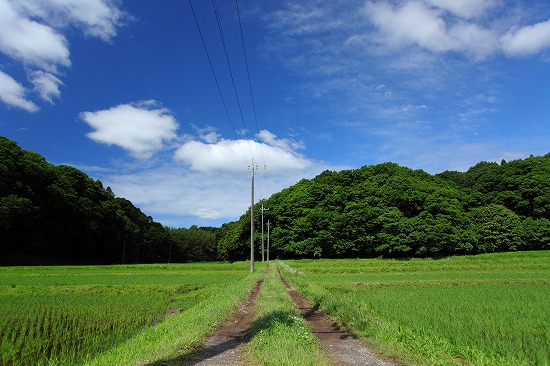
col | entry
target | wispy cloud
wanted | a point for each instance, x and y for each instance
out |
(418, 79)
(13, 94)
(466, 8)
(46, 85)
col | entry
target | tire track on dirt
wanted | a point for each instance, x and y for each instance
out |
(224, 346)
(340, 346)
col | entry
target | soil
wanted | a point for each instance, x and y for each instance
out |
(225, 346)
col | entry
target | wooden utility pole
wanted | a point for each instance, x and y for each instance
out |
(268, 223)
(263, 209)
(124, 247)
(252, 222)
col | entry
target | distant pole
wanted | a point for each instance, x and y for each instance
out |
(263, 209)
(252, 222)
(124, 247)
(268, 223)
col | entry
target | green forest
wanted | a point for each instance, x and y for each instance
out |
(387, 210)
(57, 215)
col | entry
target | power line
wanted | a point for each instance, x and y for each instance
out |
(251, 92)
(231, 74)
(218, 20)
(248, 71)
(252, 167)
(216, 79)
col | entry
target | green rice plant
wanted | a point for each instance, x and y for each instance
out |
(175, 339)
(60, 328)
(280, 335)
(66, 315)
(482, 310)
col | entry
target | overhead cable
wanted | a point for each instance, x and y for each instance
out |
(216, 79)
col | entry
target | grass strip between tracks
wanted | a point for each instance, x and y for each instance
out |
(280, 335)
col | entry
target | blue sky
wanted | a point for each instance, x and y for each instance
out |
(123, 90)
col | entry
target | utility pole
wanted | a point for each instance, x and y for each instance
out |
(252, 222)
(268, 223)
(263, 209)
(124, 247)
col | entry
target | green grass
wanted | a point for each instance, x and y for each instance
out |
(480, 310)
(174, 340)
(69, 314)
(280, 335)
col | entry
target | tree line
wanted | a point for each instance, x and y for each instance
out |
(387, 210)
(58, 215)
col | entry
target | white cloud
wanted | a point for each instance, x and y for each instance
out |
(207, 134)
(417, 24)
(29, 41)
(474, 39)
(32, 34)
(235, 155)
(286, 144)
(97, 18)
(209, 183)
(177, 196)
(13, 94)
(226, 155)
(527, 40)
(46, 85)
(140, 128)
(413, 23)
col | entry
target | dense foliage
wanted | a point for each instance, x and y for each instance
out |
(392, 211)
(57, 214)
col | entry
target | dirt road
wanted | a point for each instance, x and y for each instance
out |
(340, 346)
(225, 346)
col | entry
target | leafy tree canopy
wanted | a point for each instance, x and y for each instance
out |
(392, 211)
(57, 214)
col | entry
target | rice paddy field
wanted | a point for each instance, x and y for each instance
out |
(68, 315)
(477, 310)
